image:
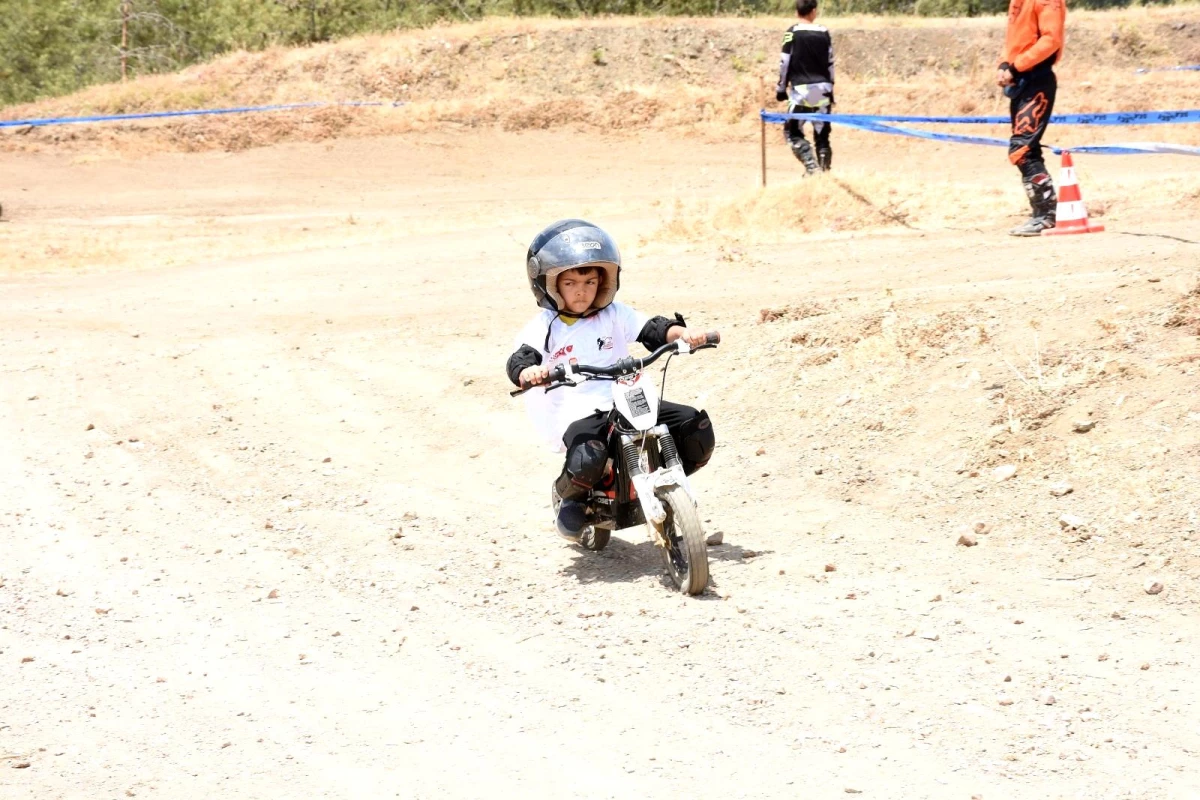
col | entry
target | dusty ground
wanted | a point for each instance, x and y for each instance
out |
(206, 593)
(272, 527)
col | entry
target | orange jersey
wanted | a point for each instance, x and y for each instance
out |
(1035, 32)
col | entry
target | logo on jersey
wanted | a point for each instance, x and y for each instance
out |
(562, 351)
(604, 343)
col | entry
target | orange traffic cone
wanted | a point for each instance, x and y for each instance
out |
(1072, 213)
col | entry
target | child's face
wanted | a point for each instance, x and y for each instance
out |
(578, 289)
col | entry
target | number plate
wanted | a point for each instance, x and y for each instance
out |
(638, 404)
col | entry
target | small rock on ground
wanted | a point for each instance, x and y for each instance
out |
(1004, 472)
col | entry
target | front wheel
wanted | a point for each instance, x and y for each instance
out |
(686, 554)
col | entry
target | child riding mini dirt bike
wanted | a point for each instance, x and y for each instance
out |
(574, 272)
(645, 480)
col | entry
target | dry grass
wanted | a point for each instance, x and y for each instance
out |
(1185, 313)
(818, 204)
(852, 199)
(1046, 382)
(707, 76)
(802, 310)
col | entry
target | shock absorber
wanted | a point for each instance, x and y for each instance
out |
(670, 455)
(629, 454)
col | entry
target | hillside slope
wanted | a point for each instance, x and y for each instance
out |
(626, 74)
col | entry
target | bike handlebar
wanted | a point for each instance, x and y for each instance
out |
(625, 366)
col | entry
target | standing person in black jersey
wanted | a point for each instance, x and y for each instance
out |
(806, 82)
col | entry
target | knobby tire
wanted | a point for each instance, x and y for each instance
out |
(686, 539)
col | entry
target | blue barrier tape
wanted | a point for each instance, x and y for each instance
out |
(37, 123)
(1184, 68)
(957, 138)
(866, 123)
(1131, 148)
(1108, 118)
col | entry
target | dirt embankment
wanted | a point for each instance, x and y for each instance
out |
(618, 74)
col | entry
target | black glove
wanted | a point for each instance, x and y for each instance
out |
(781, 95)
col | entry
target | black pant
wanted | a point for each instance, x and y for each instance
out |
(793, 130)
(595, 427)
(1030, 112)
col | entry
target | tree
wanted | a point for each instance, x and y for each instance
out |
(148, 38)
(44, 49)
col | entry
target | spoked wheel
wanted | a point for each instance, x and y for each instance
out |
(686, 555)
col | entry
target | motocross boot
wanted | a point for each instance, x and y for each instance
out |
(802, 150)
(1043, 201)
(570, 516)
(584, 468)
(825, 158)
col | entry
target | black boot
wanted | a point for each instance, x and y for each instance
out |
(583, 469)
(1043, 202)
(802, 150)
(825, 158)
(570, 512)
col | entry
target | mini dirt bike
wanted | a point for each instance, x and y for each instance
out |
(645, 482)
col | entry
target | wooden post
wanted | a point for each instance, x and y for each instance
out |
(124, 37)
(763, 139)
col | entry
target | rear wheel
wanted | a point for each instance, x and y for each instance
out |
(686, 554)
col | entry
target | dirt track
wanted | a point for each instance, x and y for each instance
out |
(205, 594)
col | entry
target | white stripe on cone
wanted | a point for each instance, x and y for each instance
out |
(1071, 211)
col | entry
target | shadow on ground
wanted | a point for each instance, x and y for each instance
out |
(627, 562)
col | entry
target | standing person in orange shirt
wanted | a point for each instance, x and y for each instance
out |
(1033, 44)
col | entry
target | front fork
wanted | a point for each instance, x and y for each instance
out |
(649, 484)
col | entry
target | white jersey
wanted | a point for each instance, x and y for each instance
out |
(599, 340)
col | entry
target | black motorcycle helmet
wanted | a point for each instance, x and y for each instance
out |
(570, 244)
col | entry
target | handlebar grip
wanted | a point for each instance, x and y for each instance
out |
(712, 337)
(557, 375)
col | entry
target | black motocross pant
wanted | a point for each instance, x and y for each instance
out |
(1030, 111)
(793, 129)
(689, 428)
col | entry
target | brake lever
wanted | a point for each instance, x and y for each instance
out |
(551, 387)
(560, 384)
